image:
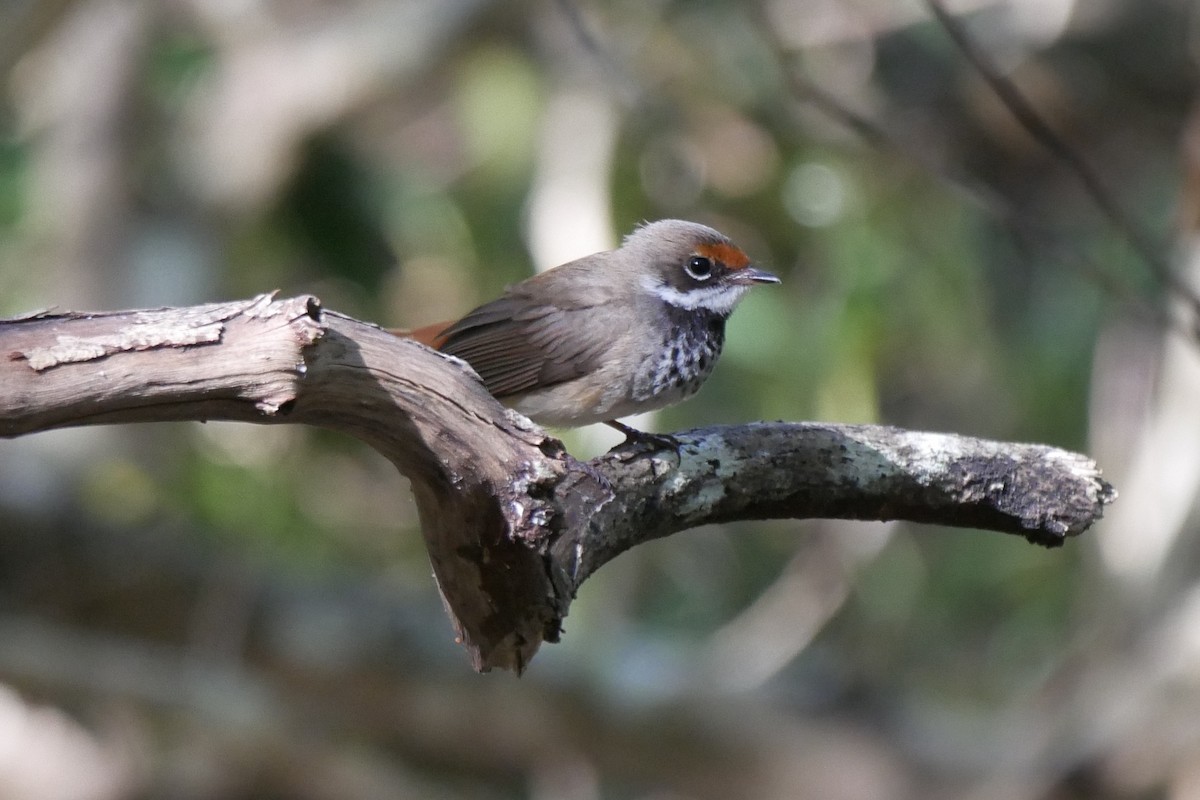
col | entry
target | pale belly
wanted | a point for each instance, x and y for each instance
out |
(569, 405)
(675, 375)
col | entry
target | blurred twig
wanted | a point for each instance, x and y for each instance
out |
(1028, 237)
(625, 86)
(1036, 126)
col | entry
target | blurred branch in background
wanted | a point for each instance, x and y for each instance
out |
(1150, 251)
(1031, 234)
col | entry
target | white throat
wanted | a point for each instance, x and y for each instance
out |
(717, 299)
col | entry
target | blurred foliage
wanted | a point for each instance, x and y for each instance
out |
(940, 272)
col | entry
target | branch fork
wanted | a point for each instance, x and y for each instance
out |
(513, 523)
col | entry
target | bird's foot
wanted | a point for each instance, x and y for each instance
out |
(657, 441)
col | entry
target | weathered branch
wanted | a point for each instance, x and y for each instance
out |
(809, 470)
(512, 522)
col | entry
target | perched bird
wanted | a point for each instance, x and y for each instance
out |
(610, 334)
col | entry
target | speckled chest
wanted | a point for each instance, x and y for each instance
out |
(691, 341)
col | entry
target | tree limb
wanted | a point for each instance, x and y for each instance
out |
(512, 522)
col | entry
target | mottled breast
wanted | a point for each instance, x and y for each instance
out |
(690, 345)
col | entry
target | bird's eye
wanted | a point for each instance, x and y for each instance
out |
(699, 268)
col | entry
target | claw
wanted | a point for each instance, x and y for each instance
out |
(658, 441)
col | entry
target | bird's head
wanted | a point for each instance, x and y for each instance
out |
(691, 266)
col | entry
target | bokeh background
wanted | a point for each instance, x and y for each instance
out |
(222, 611)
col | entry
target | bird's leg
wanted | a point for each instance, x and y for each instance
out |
(661, 441)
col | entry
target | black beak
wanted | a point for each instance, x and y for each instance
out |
(752, 275)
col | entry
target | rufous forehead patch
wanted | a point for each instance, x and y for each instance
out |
(732, 257)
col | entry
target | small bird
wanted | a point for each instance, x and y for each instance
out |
(608, 335)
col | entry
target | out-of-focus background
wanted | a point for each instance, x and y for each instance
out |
(219, 612)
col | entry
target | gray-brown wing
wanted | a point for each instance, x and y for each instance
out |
(517, 347)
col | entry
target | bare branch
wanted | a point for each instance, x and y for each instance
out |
(816, 470)
(512, 522)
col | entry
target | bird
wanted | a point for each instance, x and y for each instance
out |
(608, 335)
